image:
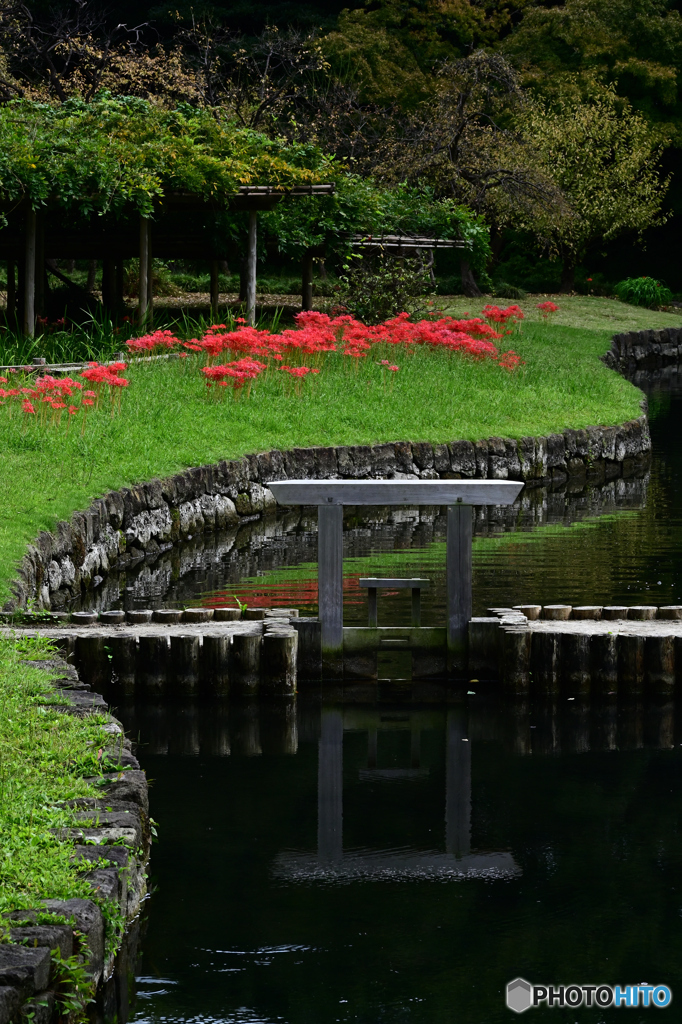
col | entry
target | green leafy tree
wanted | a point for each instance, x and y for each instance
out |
(605, 158)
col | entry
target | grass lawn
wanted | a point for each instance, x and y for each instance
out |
(169, 422)
(45, 757)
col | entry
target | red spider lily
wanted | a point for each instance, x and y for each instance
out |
(299, 371)
(27, 407)
(500, 316)
(546, 308)
(394, 369)
(155, 342)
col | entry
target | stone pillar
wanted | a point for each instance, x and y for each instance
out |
(330, 586)
(145, 284)
(215, 291)
(458, 573)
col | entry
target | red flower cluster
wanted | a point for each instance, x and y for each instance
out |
(239, 372)
(546, 308)
(47, 397)
(500, 316)
(158, 341)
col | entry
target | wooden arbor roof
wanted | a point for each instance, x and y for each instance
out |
(31, 238)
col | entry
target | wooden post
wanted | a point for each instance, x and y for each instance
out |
(251, 268)
(330, 586)
(307, 282)
(11, 294)
(109, 285)
(458, 574)
(40, 267)
(215, 293)
(119, 300)
(29, 311)
(144, 288)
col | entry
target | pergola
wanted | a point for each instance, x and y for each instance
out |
(181, 229)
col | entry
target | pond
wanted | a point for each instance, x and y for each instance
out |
(385, 862)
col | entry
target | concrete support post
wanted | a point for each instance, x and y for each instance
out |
(307, 282)
(29, 311)
(458, 574)
(251, 268)
(330, 586)
(330, 788)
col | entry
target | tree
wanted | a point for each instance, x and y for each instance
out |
(605, 158)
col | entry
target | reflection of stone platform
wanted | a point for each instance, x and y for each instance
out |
(395, 866)
(333, 863)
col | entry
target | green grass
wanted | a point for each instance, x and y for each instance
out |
(169, 422)
(587, 311)
(44, 757)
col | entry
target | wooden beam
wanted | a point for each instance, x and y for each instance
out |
(395, 492)
(29, 311)
(252, 252)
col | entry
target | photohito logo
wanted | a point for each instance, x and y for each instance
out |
(521, 995)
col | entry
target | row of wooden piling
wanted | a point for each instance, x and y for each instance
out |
(548, 663)
(211, 663)
(597, 612)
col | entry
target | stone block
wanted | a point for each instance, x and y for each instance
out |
(27, 968)
(87, 919)
(50, 936)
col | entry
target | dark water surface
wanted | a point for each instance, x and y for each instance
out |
(369, 864)
(391, 863)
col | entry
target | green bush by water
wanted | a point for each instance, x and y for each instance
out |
(644, 291)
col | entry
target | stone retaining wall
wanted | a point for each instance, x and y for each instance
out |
(644, 350)
(120, 529)
(111, 841)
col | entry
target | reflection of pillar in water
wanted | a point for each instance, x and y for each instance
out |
(279, 726)
(247, 731)
(659, 726)
(457, 786)
(371, 748)
(415, 748)
(330, 788)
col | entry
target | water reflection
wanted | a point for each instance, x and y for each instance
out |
(344, 862)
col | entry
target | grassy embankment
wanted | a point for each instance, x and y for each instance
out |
(45, 756)
(168, 421)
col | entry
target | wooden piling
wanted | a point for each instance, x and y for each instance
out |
(630, 663)
(557, 612)
(515, 652)
(84, 618)
(215, 654)
(153, 664)
(92, 660)
(670, 611)
(575, 662)
(587, 611)
(197, 615)
(123, 658)
(167, 615)
(545, 662)
(612, 612)
(227, 614)
(604, 663)
(309, 651)
(251, 258)
(659, 664)
(184, 661)
(531, 611)
(278, 662)
(139, 615)
(244, 666)
(112, 618)
(642, 612)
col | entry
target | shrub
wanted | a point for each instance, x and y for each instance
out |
(503, 290)
(376, 288)
(644, 291)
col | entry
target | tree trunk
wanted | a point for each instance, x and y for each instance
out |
(92, 275)
(242, 278)
(469, 286)
(567, 277)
